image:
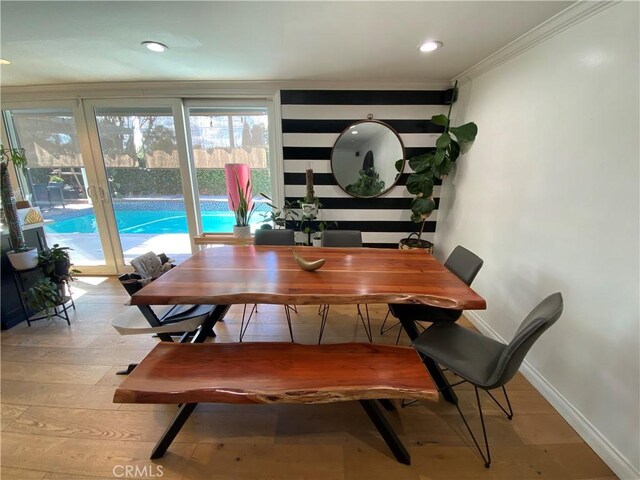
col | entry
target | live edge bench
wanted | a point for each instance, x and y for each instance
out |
(188, 374)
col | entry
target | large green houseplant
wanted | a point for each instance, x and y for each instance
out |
(21, 257)
(433, 166)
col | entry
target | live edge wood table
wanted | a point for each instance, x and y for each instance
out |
(265, 274)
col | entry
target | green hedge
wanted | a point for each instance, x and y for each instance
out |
(125, 182)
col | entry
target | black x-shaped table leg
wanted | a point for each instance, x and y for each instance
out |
(370, 406)
(441, 381)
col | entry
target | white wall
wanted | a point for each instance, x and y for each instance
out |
(549, 197)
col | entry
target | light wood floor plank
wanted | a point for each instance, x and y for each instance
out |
(57, 395)
(9, 412)
(248, 424)
(275, 462)
(69, 456)
(9, 473)
(52, 373)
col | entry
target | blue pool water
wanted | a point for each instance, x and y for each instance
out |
(150, 222)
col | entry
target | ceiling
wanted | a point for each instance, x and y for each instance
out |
(55, 42)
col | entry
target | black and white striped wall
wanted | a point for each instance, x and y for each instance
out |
(312, 120)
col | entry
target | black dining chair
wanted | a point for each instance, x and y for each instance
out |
(271, 237)
(344, 239)
(483, 362)
(461, 262)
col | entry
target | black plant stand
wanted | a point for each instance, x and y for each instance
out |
(60, 310)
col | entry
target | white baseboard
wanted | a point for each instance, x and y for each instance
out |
(589, 433)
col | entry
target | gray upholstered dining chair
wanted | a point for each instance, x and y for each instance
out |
(461, 262)
(483, 362)
(345, 239)
(272, 237)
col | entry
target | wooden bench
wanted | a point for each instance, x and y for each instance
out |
(245, 373)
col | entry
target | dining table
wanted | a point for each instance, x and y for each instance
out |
(240, 274)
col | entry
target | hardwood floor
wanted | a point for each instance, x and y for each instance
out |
(58, 420)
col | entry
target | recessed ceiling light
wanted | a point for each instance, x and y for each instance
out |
(354, 132)
(430, 46)
(4, 62)
(155, 46)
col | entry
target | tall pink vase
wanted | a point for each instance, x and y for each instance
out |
(237, 173)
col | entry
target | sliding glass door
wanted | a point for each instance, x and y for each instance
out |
(221, 134)
(142, 168)
(57, 181)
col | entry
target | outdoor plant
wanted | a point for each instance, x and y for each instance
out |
(431, 166)
(17, 157)
(55, 179)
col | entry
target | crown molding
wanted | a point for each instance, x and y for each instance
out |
(195, 89)
(570, 16)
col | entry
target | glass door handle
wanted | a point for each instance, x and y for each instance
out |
(102, 196)
(91, 195)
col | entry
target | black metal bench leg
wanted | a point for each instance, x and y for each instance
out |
(438, 377)
(386, 430)
(207, 326)
(172, 430)
(128, 370)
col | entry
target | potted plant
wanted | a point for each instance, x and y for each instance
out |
(44, 295)
(240, 197)
(278, 216)
(428, 167)
(367, 185)
(21, 257)
(311, 229)
(56, 265)
(310, 203)
(55, 179)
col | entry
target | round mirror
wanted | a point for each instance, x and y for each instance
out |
(364, 156)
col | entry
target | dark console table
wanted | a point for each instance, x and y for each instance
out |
(12, 311)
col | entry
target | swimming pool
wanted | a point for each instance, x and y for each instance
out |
(150, 222)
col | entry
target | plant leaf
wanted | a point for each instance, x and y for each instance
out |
(439, 157)
(416, 218)
(399, 165)
(420, 184)
(440, 119)
(454, 150)
(423, 207)
(421, 163)
(465, 133)
(444, 169)
(443, 141)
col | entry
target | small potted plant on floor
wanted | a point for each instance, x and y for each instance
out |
(432, 166)
(21, 257)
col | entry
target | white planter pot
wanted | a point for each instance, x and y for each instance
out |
(309, 210)
(23, 260)
(241, 232)
(317, 241)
